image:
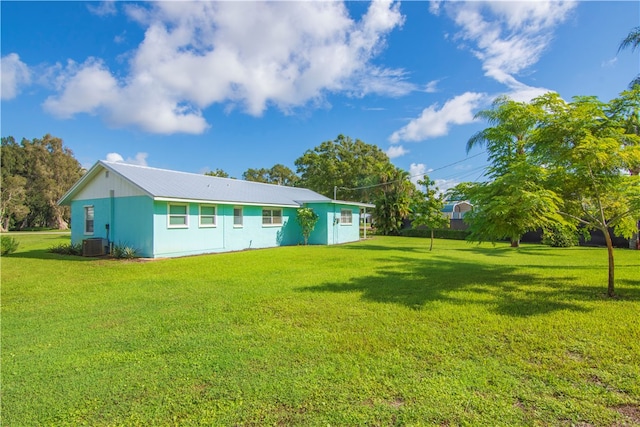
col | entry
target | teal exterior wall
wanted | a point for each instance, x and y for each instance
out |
(129, 225)
(224, 237)
(141, 223)
(329, 230)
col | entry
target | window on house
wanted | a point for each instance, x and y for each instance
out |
(178, 216)
(88, 219)
(237, 217)
(207, 216)
(346, 216)
(271, 216)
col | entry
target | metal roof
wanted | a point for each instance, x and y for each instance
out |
(172, 185)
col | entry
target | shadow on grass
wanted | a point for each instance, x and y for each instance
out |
(44, 254)
(503, 289)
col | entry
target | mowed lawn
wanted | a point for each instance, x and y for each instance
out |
(381, 332)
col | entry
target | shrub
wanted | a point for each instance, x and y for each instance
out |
(67, 249)
(559, 237)
(122, 251)
(8, 245)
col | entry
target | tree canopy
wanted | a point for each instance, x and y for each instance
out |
(35, 174)
(350, 166)
(558, 164)
(278, 174)
(427, 208)
(588, 150)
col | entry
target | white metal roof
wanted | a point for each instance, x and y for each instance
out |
(162, 184)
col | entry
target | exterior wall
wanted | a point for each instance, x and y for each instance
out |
(106, 181)
(137, 221)
(128, 225)
(329, 230)
(224, 237)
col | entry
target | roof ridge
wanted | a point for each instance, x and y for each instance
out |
(202, 175)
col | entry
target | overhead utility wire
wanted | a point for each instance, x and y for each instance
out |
(412, 176)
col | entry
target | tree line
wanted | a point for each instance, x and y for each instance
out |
(35, 174)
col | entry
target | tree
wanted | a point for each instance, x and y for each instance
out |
(13, 206)
(51, 171)
(633, 41)
(12, 201)
(218, 172)
(393, 203)
(427, 209)
(587, 151)
(278, 174)
(514, 200)
(511, 204)
(351, 167)
(307, 219)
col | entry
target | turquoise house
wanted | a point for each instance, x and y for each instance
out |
(164, 213)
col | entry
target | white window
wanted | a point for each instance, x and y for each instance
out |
(271, 216)
(207, 216)
(237, 216)
(88, 219)
(346, 216)
(178, 217)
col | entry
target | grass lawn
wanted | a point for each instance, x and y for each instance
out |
(381, 332)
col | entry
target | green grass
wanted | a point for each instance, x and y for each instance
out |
(381, 332)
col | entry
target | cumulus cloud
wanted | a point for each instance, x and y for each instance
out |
(140, 159)
(396, 151)
(417, 172)
(244, 55)
(434, 121)
(508, 37)
(15, 75)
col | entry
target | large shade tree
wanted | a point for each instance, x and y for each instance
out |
(345, 168)
(48, 169)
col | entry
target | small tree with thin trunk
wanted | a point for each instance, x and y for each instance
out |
(427, 210)
(307, 219)
(591, 155)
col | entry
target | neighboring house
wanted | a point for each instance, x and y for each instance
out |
(456, 209)
(163, 213)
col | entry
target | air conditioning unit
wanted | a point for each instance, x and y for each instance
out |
(94, 247)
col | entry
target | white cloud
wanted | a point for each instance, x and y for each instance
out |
(396, 151)
(444, 185)
(15, 75)
(246, 55)
(139, 159)
(103, 8)
(431, 87)
(434, 121)
(416, 172)
(508, 37)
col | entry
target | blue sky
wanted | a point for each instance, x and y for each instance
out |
(195, 86)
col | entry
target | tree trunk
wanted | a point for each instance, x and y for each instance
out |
(610, 285)
(57, 221)
(515, 242)
(431, 245)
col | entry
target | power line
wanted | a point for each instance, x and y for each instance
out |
(412, 176)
